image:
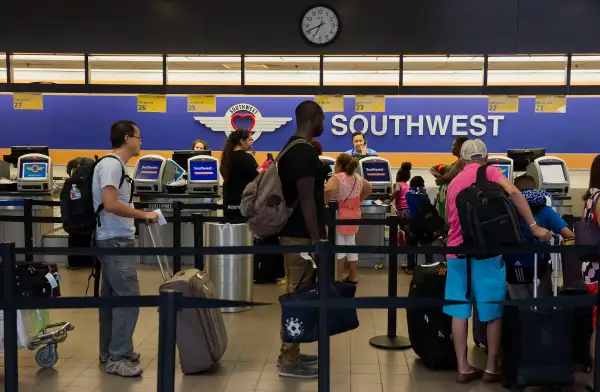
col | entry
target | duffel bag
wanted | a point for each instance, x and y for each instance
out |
(301, 324)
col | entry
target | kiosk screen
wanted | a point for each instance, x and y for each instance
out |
(504, 169)
(31, 170)
(148, 170)
(203, 171)
(553, 173)
(376, 171)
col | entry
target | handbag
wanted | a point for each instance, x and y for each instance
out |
(588, 232)
(301, 324)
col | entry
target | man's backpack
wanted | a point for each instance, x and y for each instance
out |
(488, 218)
(76, 200)
(263, 202)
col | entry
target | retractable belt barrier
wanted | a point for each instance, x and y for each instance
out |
(170, 302)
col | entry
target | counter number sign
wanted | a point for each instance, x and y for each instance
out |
(550, 104)
(370, 104)
(201, 103)
(503, 104)
(330, 103)
(152, 103)
(28, 101)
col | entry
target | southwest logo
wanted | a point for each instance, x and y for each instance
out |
(34, 168)
(258, 123)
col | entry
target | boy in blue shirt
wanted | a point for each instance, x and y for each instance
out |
(519, 271)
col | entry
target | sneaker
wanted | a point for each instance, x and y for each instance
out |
(304, 359)
(134, 357)
(299, 371)
(123, 368)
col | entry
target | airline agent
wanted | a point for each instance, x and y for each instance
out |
(200, 145)
(360, 149)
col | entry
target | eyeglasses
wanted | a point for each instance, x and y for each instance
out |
(137, 137)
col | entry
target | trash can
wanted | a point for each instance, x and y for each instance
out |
(232, 275)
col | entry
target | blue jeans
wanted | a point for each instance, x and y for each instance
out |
(119, 279)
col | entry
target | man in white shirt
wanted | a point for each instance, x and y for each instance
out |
(111, 191)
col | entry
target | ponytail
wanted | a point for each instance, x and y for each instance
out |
(233, 140)
(347, 163)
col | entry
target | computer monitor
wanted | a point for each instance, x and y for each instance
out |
(203, 170)
(553, 172)
(148, 169)
(34, 170)
(524, 157)
(376, 171)
(181, 157)
(18, 151)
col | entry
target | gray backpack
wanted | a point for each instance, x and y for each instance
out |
(263, 202)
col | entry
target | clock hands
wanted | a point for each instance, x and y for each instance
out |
(316, 27)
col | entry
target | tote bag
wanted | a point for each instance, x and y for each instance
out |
(587, 232)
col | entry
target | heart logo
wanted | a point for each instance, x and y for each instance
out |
(243, 116)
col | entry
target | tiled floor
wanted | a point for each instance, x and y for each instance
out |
(249, 363)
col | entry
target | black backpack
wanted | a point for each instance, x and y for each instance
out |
(78, 214)
(488, 218)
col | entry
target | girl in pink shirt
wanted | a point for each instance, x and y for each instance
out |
(349, 189)
(401, 188)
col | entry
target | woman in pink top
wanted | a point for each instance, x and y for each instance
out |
(349, 189)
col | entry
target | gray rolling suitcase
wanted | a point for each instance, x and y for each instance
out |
(201, 333)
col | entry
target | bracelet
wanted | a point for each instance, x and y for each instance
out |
(532, 225)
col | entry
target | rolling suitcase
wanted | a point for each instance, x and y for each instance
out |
(479, 330)
(534, 349)
(430, 329)
(201, 333)
(573, 284)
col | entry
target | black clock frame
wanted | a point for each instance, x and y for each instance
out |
(337, 35)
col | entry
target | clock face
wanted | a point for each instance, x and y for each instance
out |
(320, 25)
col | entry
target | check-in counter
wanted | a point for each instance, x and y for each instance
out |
(372, 235)
(12, 204)
(165, 203)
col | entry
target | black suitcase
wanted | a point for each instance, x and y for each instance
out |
(582, 332)
(32, 280)
(534, 349)
(268, 267)
(479, 330)
(429, 329)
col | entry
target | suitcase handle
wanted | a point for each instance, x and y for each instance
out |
(157, 243)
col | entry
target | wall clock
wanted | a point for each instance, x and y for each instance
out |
(320, 25)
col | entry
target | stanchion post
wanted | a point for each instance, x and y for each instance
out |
(392, 341)
(177, 207)
(596, 369)
(198, 221)
(11, 365)
(169, 305)
(332, 229)
(326, 260)
(28, 226)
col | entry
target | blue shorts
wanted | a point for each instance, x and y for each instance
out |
(488, 283)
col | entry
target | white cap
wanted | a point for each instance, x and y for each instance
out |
(473, 150)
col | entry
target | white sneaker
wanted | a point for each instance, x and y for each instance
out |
(123, 368)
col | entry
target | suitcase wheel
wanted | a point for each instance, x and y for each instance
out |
(587, 369)
(47, 356)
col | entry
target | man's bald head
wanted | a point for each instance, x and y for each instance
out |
(309, 115)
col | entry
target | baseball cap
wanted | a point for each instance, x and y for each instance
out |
(473, 150)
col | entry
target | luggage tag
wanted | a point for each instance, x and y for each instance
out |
(308, 257)
(50, 278)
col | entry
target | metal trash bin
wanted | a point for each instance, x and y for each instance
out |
(232, 275)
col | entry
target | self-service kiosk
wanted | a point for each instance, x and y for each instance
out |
(504, 164)
(153, 173)
(203, 175)
(552, 175)
(34, 173)
(330, 161)
(378, 173)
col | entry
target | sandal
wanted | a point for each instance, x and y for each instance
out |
(347, 280)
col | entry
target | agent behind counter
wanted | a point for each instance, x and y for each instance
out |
(360, 150)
